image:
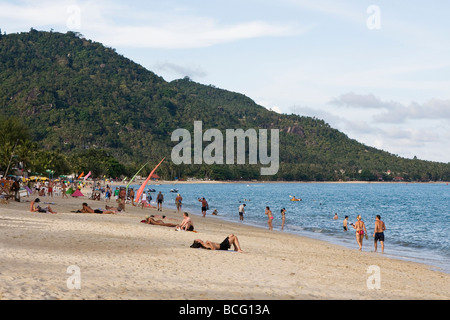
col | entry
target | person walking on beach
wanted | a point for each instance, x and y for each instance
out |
(122, 198)
(283, 217)
(143, 200)
(178, 203)
(204, 206)
(270, 216)
(64, 190)
(160, 200)
(378, 234)
(16, 189)
(131, 195)
(241, 211)
(360, 228)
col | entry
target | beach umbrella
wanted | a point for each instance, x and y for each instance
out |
(87, 176)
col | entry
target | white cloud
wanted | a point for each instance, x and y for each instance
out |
(185, 32)
(363, 101)
(435, 109)
(192, 71)
(119, 25)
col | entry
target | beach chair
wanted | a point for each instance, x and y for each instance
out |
(56, 191)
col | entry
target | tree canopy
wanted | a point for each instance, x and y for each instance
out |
(81, 103)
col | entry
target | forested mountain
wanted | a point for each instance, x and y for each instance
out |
(86, 107)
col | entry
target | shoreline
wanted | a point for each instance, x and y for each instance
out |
(121, 258)
(166, 182)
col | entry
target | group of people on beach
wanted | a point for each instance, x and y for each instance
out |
(188, 225)
(271, 217)
(361, 231)
(267, 212)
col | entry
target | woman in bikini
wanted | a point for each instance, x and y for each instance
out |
(270, 216)
(360, 228)
(283, 218)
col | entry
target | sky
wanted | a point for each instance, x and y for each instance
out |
(378, 71)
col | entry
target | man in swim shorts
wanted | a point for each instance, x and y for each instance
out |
(378, 234)
(186, 224)
(204, 205)
(241, 212)
(224, 246)
(160, 200)
(345, 223)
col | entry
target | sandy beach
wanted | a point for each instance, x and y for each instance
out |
(118, 257)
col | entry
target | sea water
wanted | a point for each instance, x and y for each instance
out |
(416, 215)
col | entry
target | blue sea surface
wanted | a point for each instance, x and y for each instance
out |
(416, 215)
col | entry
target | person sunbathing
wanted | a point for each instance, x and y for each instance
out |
(34, 207)
(224, 246)
(152, 221)
(111, 208)
(87, 209)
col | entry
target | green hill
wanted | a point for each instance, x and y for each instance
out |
(82, 101)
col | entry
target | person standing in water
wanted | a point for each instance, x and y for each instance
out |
(205, 206)
(360, 228)
(345, 224)
(378, 233)
(241, 211)
(178, 203)
(270, 216)
(283, 217)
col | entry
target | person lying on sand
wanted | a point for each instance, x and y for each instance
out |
(152, 221)
(224, 246)
(34, 207)
(110, 208)
(87, 209)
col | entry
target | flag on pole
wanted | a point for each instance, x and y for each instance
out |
(87, 176)
(141, 189)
